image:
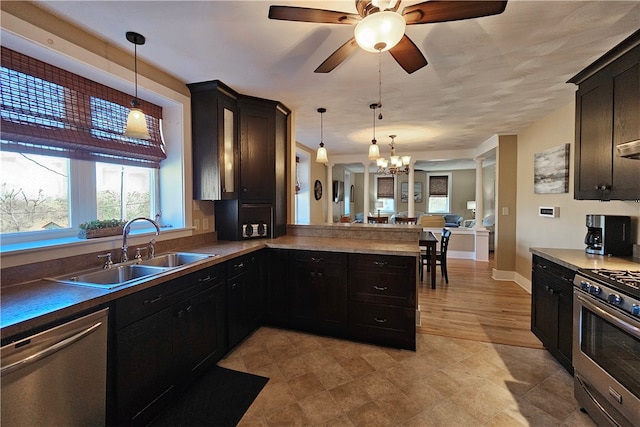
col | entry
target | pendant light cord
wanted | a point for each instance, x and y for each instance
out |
(380, 83)
(135, 66)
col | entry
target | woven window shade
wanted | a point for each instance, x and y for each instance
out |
(47, 110)
(385, 188)
(438, 185)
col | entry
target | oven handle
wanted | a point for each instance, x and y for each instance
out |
(609, 315)
(595, 401)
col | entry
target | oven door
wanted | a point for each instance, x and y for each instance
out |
(606, 359)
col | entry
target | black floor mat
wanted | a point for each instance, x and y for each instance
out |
(219, 398)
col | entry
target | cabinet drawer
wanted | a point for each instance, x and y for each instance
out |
(148, 301)
(392, 288)
(318, 257)
(372, 262)
(239, 265)
(383, 324)
(562, 274)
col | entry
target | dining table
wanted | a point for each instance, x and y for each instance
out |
(430, 241)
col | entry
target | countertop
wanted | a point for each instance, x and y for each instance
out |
(574, 259)
(31, 305)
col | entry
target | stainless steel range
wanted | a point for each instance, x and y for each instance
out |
(606, 345)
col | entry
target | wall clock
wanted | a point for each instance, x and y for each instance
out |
(317, 189)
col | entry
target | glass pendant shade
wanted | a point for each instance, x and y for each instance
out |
(380, 31)
(374, 152)
(136, 125)
(321, 155)
(406, 160)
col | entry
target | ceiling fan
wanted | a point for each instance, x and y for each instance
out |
(379, 26)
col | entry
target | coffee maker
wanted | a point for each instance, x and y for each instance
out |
(608, 235)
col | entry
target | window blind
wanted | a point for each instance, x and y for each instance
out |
(438, 185)
(385, 188)
(50, 111)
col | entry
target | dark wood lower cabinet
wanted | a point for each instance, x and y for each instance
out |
(244, 296)
(319, 292)
(165, 336)
(361, 297)
(165, 348)
(552, 308)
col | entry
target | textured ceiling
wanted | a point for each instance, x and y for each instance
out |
(486, 76)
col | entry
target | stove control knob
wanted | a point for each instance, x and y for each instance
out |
(635, 310)
(614, 299)
(594, 289)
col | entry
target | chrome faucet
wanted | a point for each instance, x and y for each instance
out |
(127, 229)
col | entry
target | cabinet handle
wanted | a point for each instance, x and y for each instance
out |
(550, 290)
(378, 320)
(379, 263)
(154, 300)
(602, 187)
(237, 266)
(207, 279)
(317, 259)
(380, 288)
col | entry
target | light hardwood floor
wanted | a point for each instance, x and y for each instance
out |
(475, 307)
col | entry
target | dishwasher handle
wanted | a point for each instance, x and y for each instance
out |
(49, 350)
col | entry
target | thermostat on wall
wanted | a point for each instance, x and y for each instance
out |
(551, 212)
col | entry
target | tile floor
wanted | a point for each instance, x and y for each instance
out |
(447, 382)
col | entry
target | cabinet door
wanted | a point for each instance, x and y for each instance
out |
(626, 128)
(144, 370)
(544, 308)
(278, 294)
(195, 330)
(565, 328)
(594, 127)
(319, 291)
(236, 313)
(214, 126)
(257, 152)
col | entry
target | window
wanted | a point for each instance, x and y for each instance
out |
(63, 155)
(385, 200)
(122, 191)
(34, 194)
(439, 189)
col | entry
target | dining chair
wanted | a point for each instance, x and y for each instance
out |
(378, 219)
(441, 256)
(405, 220)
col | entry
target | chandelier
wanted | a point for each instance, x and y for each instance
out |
(396, 165)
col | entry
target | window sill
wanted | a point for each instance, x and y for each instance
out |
(29, 252)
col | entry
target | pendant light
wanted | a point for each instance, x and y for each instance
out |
(374, 150)
(321, 155)
(136, 121)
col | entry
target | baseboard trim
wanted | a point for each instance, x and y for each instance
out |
(512, 276)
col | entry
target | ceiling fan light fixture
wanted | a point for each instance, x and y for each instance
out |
(380, 31)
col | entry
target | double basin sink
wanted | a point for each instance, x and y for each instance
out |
(132, 272)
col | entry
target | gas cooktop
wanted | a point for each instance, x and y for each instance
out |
(626, 281)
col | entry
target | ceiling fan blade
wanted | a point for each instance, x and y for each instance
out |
(407, 54)
(305, 14)
(442, 10)
(337, 57)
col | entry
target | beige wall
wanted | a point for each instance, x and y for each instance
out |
(506, 214)
(568, 230)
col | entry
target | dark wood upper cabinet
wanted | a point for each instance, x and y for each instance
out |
(608, 114)
(214, 128)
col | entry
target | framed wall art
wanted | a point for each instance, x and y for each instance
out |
(417, 192)
(551, 170)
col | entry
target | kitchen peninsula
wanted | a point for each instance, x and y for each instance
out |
(357, 282)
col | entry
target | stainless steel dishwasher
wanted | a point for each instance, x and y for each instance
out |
(57, 377)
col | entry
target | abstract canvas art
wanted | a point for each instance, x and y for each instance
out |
(551, 170)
